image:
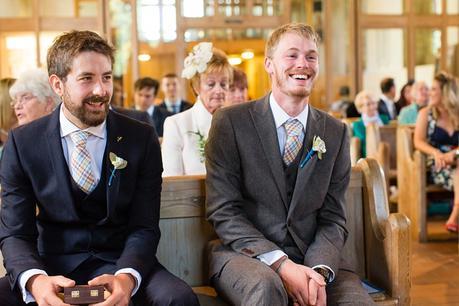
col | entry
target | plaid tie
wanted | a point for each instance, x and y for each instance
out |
(81, 162)
(294, 140)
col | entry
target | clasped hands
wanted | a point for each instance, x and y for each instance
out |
(444, 159)
(45, 288)
(305, 286)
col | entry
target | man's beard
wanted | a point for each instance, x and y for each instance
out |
(281, 80)
(87, 117)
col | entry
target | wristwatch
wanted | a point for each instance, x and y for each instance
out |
(325, 273)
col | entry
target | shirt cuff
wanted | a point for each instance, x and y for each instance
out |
(328, 268)
(135, 274)
(271, 257)
(23, 279)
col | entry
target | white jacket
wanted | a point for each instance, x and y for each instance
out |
(180, 146)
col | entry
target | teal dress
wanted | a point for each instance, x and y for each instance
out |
(359, 131)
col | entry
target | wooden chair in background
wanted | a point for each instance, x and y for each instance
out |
(378, 245)
(414, 191)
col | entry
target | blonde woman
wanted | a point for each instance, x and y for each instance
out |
(437, 135)
(185, 133)
(368, 108)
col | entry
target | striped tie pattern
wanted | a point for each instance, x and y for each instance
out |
(81, 162)
(294, 140)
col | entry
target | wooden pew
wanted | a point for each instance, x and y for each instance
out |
(355, 143)
(378, 244)
(413, 188)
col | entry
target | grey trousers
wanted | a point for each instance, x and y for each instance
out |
(248, 282)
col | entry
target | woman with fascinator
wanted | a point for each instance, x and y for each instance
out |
(185, 133)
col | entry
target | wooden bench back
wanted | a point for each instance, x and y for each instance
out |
(412, 182)
(185, 231)
(375, 135)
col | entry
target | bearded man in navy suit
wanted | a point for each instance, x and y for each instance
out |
(81, 192)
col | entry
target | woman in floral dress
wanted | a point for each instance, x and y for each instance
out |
(437, 135)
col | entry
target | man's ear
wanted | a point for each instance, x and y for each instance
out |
(57, 85)
(268, 65)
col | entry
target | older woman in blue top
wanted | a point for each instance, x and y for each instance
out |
(368, 108)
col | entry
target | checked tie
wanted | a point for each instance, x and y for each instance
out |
(294, 140)
(80, 162)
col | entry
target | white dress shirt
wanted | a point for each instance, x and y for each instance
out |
(173, 106)
(280, 117)
(96, 144)
(390, 106)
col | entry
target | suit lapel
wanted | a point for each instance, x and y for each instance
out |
(114, 144)
(315, 127)
(59, 164)
(264, 124)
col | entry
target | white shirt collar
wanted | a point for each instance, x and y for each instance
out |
(280, 116)
(386, 99)
(67, 127)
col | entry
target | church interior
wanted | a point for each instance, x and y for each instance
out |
(361, 43)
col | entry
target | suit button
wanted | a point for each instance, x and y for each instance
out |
(289, 222)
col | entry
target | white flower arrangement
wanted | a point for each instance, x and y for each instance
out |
(196, 61)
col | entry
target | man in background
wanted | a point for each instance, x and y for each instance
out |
(386, 104)
(173, 103)
(145, 91)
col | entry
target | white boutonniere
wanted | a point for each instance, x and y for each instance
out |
(201, 144)
(196, 61)
(318, 145)
(118, 164)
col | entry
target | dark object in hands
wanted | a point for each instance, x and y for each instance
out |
(84, 294)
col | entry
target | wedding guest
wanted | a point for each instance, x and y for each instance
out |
(238, 92)
(145, 91)
(437, 135)
(32, 96)
(7, 116)
(420, 94)
(172, 102)
(185, 133)
(368, 107)
(406, 95)
(386, 104)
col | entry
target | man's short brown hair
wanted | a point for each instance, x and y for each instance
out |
(146, 82)
(300, 29)
(70, 44)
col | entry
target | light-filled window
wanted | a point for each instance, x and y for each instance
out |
(19, 53)
(386, 7)
(156, 20)
(384, 56)
(427, 51)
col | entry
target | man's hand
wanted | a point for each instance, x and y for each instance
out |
(44, 289)
(120, 287)
(304, 285)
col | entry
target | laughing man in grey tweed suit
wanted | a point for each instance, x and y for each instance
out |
(281, 223)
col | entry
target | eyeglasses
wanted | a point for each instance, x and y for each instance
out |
(22, 100)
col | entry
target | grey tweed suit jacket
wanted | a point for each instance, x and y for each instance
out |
(246, 187)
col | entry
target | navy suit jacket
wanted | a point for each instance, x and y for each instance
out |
(135, 114)
(383, 110)
(39, 223)
(159, 115)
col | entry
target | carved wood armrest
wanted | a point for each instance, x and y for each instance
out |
(397, 249)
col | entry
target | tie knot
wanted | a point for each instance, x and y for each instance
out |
(293, 127)
(79, 138)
